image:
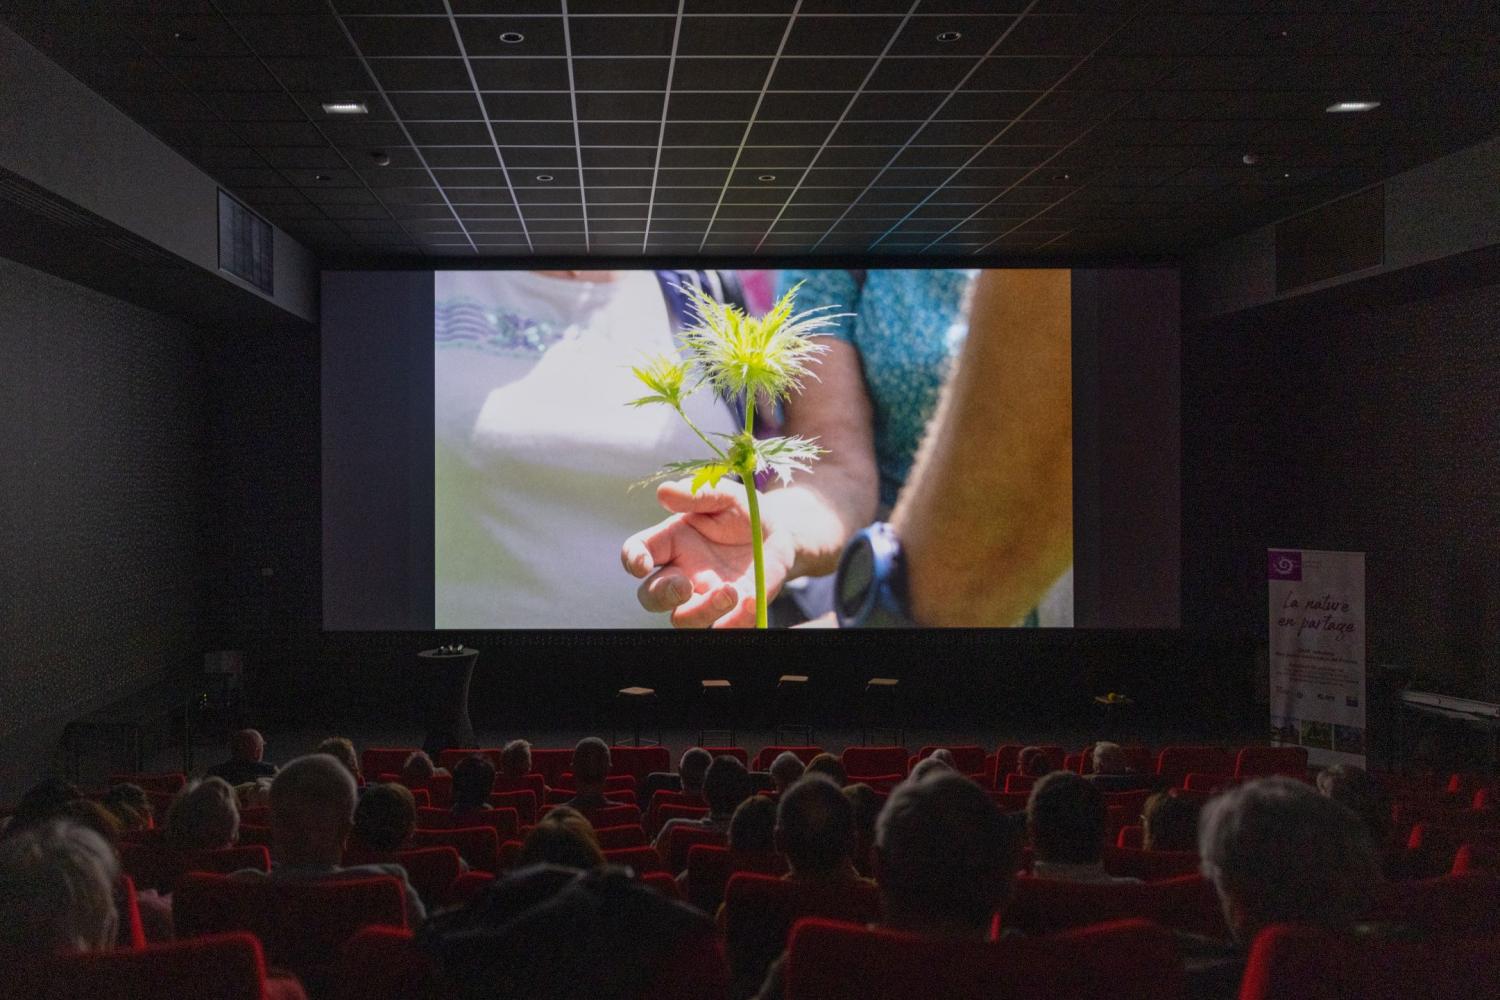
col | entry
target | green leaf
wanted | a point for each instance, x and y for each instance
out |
(709, 475)
(786, 455)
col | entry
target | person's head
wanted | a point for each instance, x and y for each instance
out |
(866, 804)
(1354, 789)
(341, 749)
(205, 816)
(515, 759)
(1033, 762)
(41, 803)
(385, 817)
(591, 764)
(57, 883)
(725, 786)
(929, 766)
(562, 837)
(1066, 816)
(785, 769)
(254, 794)
(830, 766)
(473, 781)
(753, 827)
(1278, 852)
(130, 806)
(692, 768)
(418, 770)
(312, 810)
(247, 745)
(1169, 822)
(815, 827)
(944, 856)
(1109, 758)
(946, 756)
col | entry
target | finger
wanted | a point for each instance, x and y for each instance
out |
(702, 610)
(742, 615)
(679, 498)
(646, 550)
(665, 590)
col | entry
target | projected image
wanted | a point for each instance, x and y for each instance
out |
(557, 393)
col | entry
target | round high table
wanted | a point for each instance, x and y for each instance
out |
(446, 677)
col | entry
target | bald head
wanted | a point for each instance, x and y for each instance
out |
(247, 745)
(312, 810)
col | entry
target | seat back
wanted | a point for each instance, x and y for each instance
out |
(551, 764)
(1125, 960)
(1176, 763)
(132, 933)
(1131, 837)
(665, 797)
(684, 838)
(639, 761)
(762, 761)
(524, 801)
(431, 871)
(300, 924)
(619, 796)
(1431, 848)
(533, 782)
(1046, 906)
(643, 860)
(662, 883)
(478, 845)
(738, 753)
(216, 967)
(159, 868)
(449, 758)
(709, 867)
(1259, 762)
(383, 760)
(1019, 784)
(1303, 963)
(1149, 866)
(760, 910)
(383, 963)
(874, 762)
(505, 822)
(665, 813)
(1475, 859)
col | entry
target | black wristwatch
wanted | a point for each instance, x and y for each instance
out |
(869, 589)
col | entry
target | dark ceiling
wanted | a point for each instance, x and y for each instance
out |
(1014, 129)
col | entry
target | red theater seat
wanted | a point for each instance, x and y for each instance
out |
(132, 932)
(637, 762)
(760, 910)
(468, 885)
(1430, 849)
(301, 925)
(967, 758)
(662, 883)
(1046, 906)
(612, 783)
(1260, 762)
(382, 963)
(1019, 784)
(505, 822)
(160, 868)
(1149, 866)
(560, 796)
(430, 870)
(1131, 837)
(218, 967)
(763, 759)
(1176, 763)
(1126, 960)
(478, 845)
(384, 760)
(1477, 859)
(738, 753)
(670, 812)
(684, 838)
(449, 758)
(551, 764)
(524, 802)
(663, 797)
(533, 783)
(642, 860)
(709, 869)
(864, 763)
(1302, 963)
(169, 782)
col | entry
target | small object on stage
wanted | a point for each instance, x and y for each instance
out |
(446, 674)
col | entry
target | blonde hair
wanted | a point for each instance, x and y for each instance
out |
(204, 816)
(56, 891)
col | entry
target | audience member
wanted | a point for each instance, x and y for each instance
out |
(945, 859)
(815, 831)
(1111, 770)
(57, 882)
(204, 816)
(1033, 762)
(312, 814)
(1066, 817)
(515, 759)
(562, 837)
(692, 769)
(247, 750)
(130, 806)
(1169, 822)
(473, 781)
(828, 764)
(385, 816)
(1354, 789)
(752, 828)
(41, 803)
(946, 756)
(928, 766)
(786, 769)
(341, 749)
(254, 794)
(725, 786)
(591, 763)
(417, 771)
(866, 804)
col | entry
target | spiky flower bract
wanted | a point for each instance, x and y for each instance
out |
(665, 377)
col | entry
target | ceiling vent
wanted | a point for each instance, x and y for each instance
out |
(246, 244)
(1332, 241)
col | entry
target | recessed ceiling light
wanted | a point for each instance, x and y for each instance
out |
(184, 36)
(766, 178)
(949, 36)
(322, 177)
(544, 178)
(1249, 159)
(345, 108)
(1062, 177)
(1347, 107)
(512, 37)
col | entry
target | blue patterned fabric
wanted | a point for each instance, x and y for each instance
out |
(907, 325)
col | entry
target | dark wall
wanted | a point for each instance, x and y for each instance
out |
(1363, 421)
(102, 449)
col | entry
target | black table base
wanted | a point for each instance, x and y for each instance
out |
(446, 677)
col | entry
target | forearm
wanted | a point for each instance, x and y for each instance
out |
(820, 511)
(986, 518)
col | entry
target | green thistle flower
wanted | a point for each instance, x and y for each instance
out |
(665, 377)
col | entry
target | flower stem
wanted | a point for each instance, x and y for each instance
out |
(752, 499)
(701, 436)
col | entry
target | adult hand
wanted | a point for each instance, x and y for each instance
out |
(698, 564)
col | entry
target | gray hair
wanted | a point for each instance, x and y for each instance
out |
(1109, 758)
(204, 815)
(56, 891)
(515, 758)
(591, 761)
(693, 767)
(1277, 851)
(786, 768)
(312, 805)
(928, 766)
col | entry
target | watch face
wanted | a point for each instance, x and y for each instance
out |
(856, 578)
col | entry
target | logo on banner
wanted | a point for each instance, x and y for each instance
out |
(1284, 565)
